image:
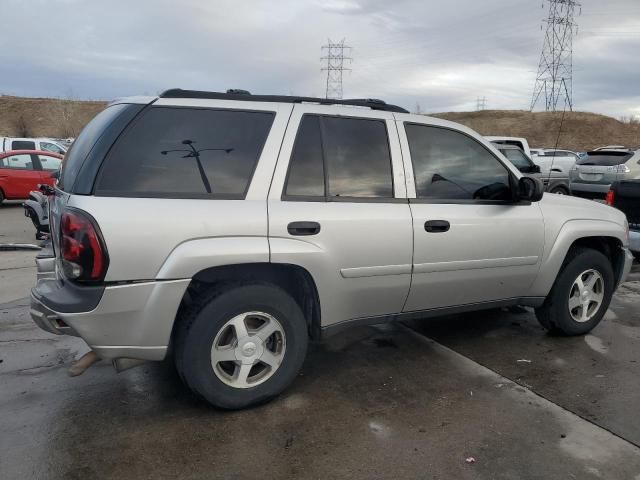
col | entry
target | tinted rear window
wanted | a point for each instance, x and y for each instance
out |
(76, 155)
(605, 159)
(186, 152)
(23, 145)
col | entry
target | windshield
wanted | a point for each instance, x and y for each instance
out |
(518, 158)
(605, 159)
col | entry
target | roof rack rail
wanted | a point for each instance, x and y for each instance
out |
(244, 95)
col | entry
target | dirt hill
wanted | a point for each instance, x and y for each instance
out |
(580, 130)
(45, 117)
(48, 117)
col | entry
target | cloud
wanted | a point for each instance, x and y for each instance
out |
(439, 54)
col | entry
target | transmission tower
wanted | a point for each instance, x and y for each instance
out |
(336, 64)
(481, 103)
(555, 70)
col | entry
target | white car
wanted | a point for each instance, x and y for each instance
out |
(42, 144)
(552, 160)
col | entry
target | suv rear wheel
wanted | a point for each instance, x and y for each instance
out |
(241, 347)
(581, 294)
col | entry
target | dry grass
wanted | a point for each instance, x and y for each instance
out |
(45, 117)
(50, 117)
(580, 130)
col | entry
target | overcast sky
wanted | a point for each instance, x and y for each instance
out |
(439, 54)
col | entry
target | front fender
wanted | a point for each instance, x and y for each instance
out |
(192, 256)
(556, 250)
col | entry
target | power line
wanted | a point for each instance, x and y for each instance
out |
(481, 103)
(555, 70)
(336, 61)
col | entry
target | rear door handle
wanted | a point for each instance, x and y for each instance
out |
(303, 228)
(437, 226)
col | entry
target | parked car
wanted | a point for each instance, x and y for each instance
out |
(592, 177)
(554, 182)
(231, 228)
(551, 160)
(22, 170)
(41, 144)
(517, 141)
(625, 196)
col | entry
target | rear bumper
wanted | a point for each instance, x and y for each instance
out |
(131, 320)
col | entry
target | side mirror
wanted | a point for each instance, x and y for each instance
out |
(536, 168)
(56, 174)
(530, 189)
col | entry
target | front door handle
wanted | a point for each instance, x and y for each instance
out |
(437, 226)
(303, 228)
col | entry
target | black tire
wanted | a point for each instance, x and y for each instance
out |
(1, 197)
(197, 330)
(636, 255)
(559, 191)
(554, 314)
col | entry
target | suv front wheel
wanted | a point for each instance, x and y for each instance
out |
(580, 295)
(241, 347)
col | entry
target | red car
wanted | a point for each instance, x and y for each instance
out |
(22, 170)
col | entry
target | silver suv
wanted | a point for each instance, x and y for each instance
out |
(228, 229)
(592, 176)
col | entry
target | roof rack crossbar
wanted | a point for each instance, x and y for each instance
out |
(234, 94)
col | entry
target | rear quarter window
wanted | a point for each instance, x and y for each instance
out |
(82, 160)
(186, 153)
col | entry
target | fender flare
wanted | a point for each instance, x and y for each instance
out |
(570, 232)
(193, 256)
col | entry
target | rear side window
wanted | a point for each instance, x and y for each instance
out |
(23, 145)
(49, 163)
(186, 152)
(338, 157)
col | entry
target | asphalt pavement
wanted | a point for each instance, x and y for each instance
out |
(486, 395)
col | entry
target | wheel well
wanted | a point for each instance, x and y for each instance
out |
(610, 247)
(293, 279)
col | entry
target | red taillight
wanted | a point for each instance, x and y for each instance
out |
(610, 197)
(84, 257)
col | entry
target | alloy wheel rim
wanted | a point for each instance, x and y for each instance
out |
(586, 295)
(248, 349)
